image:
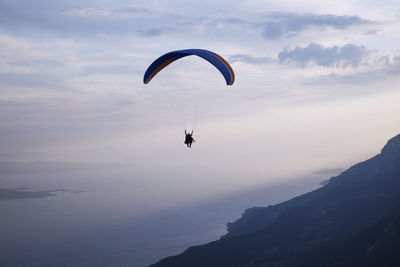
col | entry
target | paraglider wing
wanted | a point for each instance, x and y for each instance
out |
(216, 60)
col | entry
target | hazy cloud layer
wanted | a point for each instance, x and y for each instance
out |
(273, 26)
(315, 54)
(74, 18)
(71, 72)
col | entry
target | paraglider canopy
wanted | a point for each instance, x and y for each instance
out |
(216, 60)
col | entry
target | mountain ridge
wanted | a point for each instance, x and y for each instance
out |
(279, 235)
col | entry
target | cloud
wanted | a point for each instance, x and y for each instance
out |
(315, 54)
(131, 20)
(280, 25)
(353, 64)
(394, 67)
(387, 73)
(345, 56)
(381, 74)
(249, 59)
(110, 12)
(30, 80)
(371, 32)
(152, 32)
(90, 20)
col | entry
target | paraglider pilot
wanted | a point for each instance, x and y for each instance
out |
(189, 139)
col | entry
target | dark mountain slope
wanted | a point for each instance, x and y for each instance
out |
(297, 232)
(377, 245)
(372, 182)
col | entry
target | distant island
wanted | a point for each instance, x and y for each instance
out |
(13, 167)
(25, 193)
(353, 220)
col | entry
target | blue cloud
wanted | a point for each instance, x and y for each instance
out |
(249, 59)
(279, 25)
(316, 54)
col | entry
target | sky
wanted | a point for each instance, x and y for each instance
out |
(316, 86)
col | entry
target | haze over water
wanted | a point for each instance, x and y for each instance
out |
(106, 218)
